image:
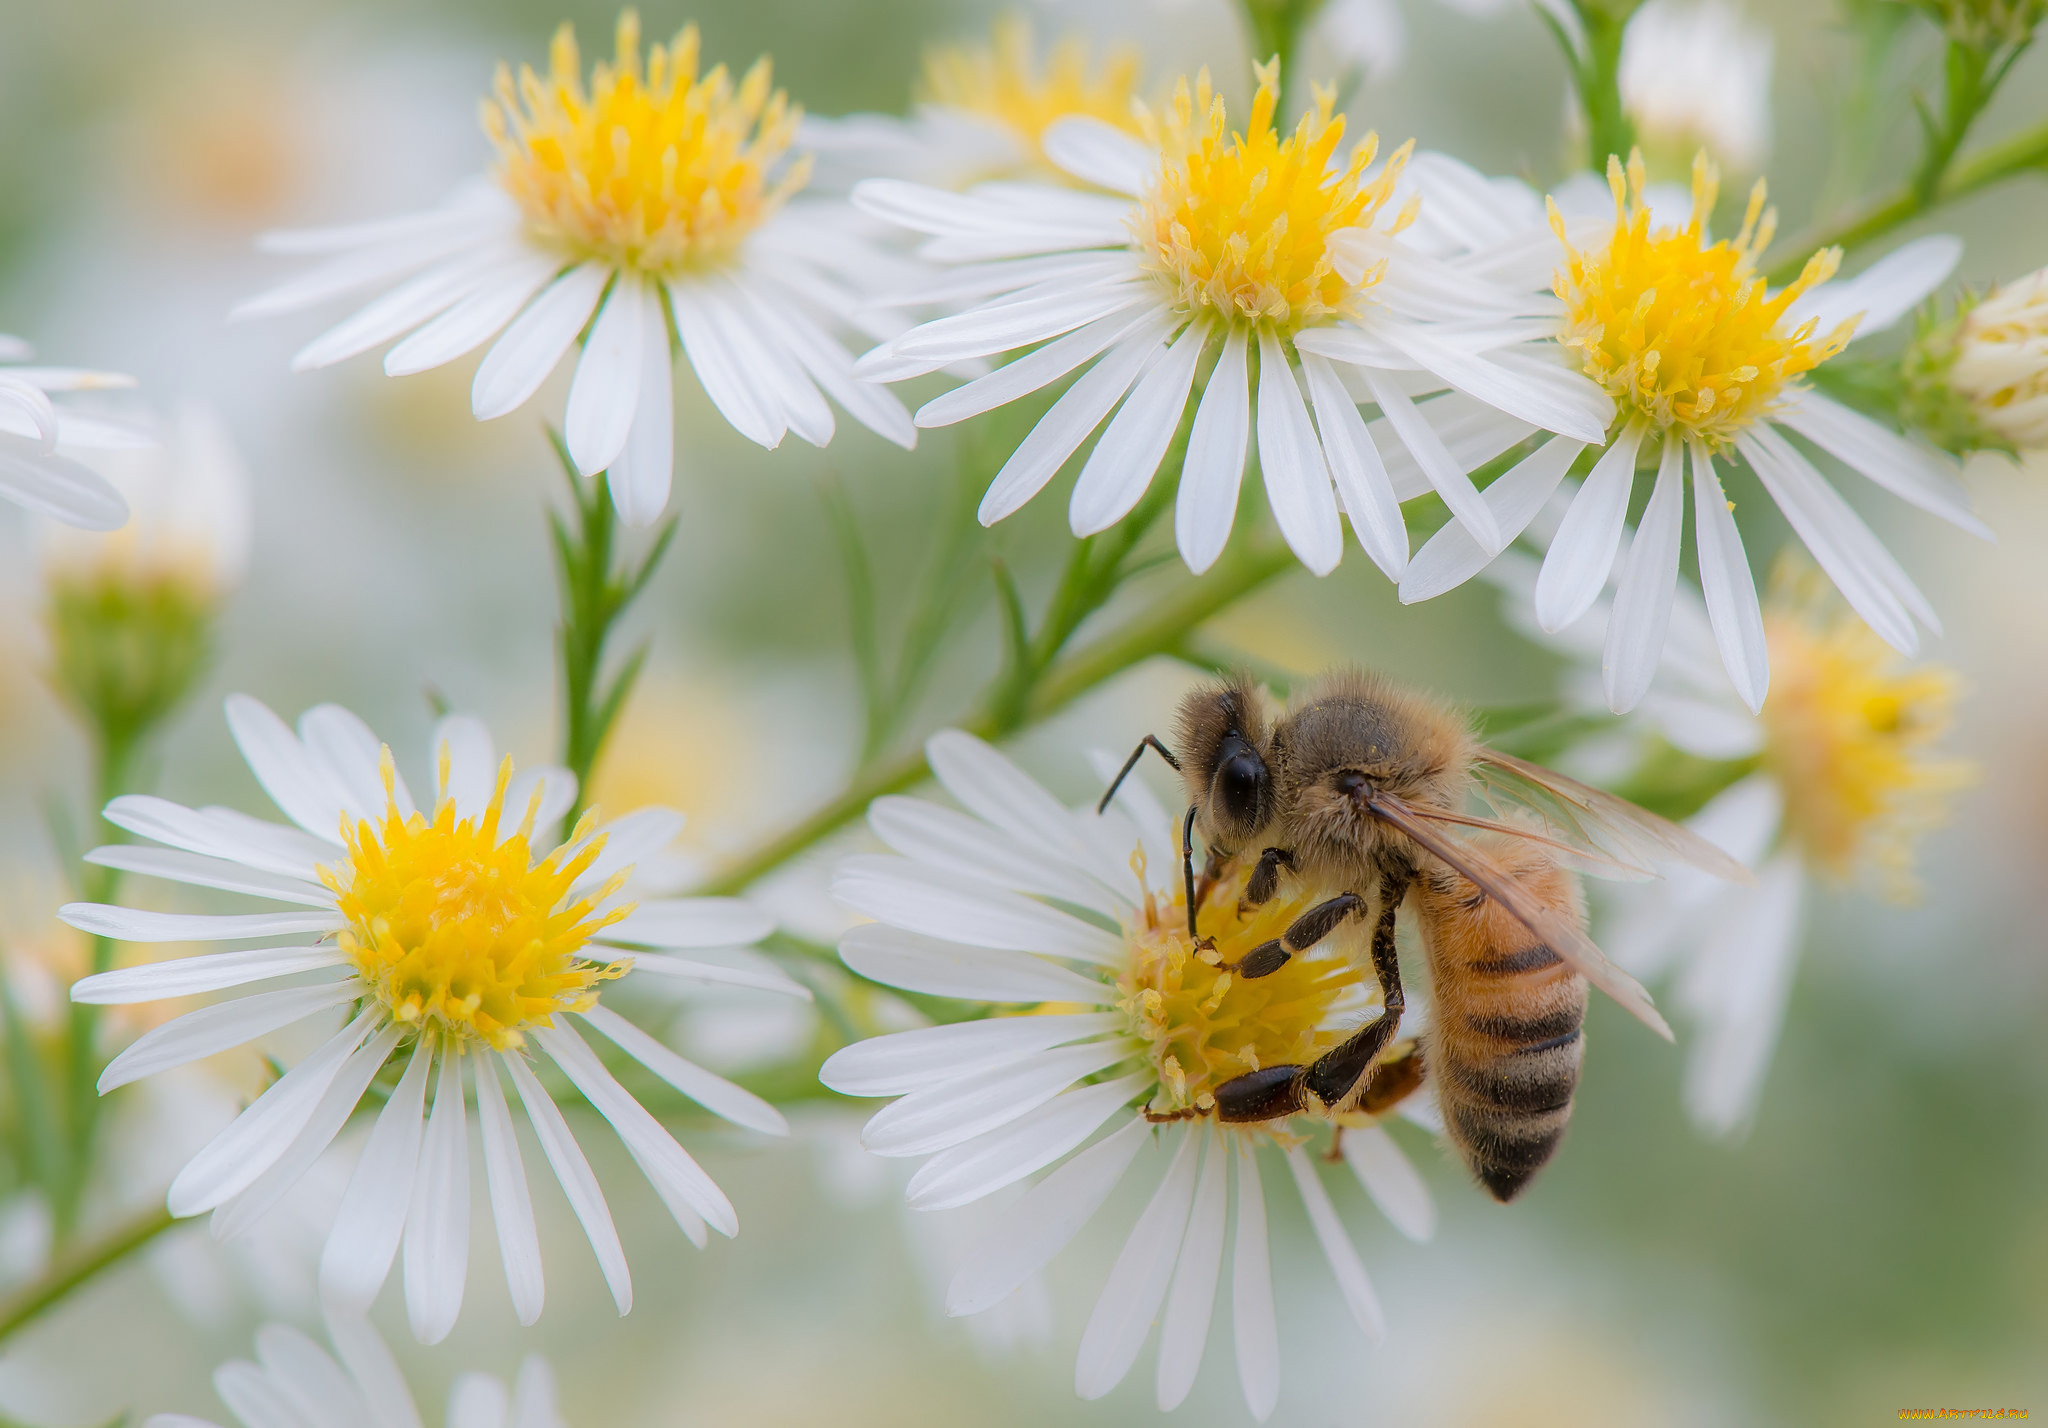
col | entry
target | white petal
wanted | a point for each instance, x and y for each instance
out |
(1337, 1247)
(296, 784)
(1451, 556)
(1078, 412)
(774, 373)
(306, 1375)
(1355, 466)
(760, 978)
(368, 1359)
(831, 367)
(1391, 1180)
(1752, 957)
(1130, 449)
(967, 1106)
(950, 841)
(946, 969)
(631, 837)
(437, 1225)
(217, 1028)
(1472, 432)
(645, 466)
(130, 924)
(1137, 1281)
(474, 320)
(964, 1173)
(521, 359)
(350, 754)
(606, 389)
(1579, 410)
(995, 790)
(714, 1093)
(1582, 553)
(657, 1151)
(254, 1140)
(189, 976)
(1727, 584)
(1184, 1333)
(533, 1395)
(1100, 153)
(1884, 292)
(356, 1259)
(692, 922)
(365, 267)
(476, 1400)
(903, 894)
(1446, 475)
(1037, 368)
(1908, 470)
(1649, 583)
(511, 1200)
(573, 1173)
(906, 1061)
(1206, 506)
(221, 833)
(472, 763)
(557, 787)
(65, 490)
(1291, 458)
(1041, 1224)
(396, 312)
(753, 413)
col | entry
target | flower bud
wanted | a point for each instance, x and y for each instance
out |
(1697, 74)
(1999, 364)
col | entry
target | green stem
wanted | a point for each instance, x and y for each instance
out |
(1597, 75)
(78, 1266)
(1276, 27)
(1157, 630)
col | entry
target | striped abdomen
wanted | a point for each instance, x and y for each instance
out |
(1504, 1046)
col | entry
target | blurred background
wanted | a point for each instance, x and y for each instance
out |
(1879, 1240)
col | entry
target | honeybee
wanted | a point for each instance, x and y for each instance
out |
(1358, 790)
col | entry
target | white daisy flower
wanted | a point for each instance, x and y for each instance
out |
(981, 113)
(1704, 362)
(1373, 34)
(40, 441)
(1265, 250)
(2000, 362)
(1839, 775)
(296, 1382)
(656, 198)
(1697, 74)
(453, 947)
(1011, 903)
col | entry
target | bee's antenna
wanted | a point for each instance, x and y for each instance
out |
(1187, 857)
(1149, 741)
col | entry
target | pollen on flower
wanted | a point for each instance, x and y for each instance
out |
(453, 925)
(1851, 727)
(652, 167)
(1202, 1025)
(1241, 223)
(1004, 82)
(1680, 331)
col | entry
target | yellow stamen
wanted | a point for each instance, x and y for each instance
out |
(1851, 727)
(450, 926)
(1204, 1026)
(1680, 330)
(1241, 223)
(1003, 81)
(652, 167)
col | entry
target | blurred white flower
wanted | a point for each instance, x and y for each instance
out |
(189, 511)
(1098, 1022)
(453, 942)
(1373, 35)
(40, 441)
(1703, 362)
(1838, 775)
(2001, 362)
(296, 1383)
(1697, 74)
(1267, 248)
(656, 194)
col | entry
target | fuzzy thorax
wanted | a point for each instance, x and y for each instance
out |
(453, 925)
(1683, 332)
(1240, 224)
(652, 167)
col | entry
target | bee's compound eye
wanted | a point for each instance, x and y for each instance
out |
(1241, 784)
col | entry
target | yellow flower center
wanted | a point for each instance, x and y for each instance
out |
(1679, 330)
(1850, 734)
(652, 167)
(450, 924)
(1004, 82)
(1203, 1026)
(1241, 223)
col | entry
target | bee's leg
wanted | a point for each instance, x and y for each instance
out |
(1301, 934)
(1391, 1082)
(1336, 1073)
(1262, 1095)
(1265, 878)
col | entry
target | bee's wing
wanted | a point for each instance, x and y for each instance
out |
(1558, 932)
(1574, 855)
(1596, 821)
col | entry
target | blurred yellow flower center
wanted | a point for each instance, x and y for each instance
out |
(451, 924)
(1241, 223)
(1850, 733)
(1204, 1026)
(652, 167)
(1679, 330)
(1005, 83)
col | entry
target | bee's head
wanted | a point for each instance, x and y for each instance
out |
(1224, 742)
